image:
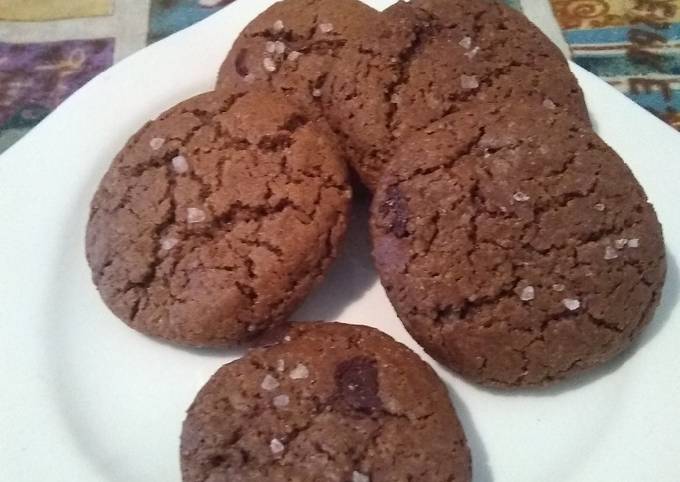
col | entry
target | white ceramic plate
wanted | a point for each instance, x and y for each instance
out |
(84, 398)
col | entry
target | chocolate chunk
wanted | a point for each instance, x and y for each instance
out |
(356, 380)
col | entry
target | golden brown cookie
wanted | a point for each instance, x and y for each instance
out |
(292, 46)
(330, 402)
(218, 218)
(517, 248)
(429, 58)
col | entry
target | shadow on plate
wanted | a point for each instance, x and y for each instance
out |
(669, 300)
(352, 273)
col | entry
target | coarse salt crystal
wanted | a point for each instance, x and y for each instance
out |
(558, 287)
(287, 338)
(280, 366)
(195, 215)
(250, 78)
(520, 197)
(466, 43)
(180, 164)
(281, 401)
(156, 143)
(269, 65)
(270, 47)
(294, 55)
(299, 372)
(571, 304)
(276, 446)
(634, 243)
(527, 294)
(599, 207)
(278, 26)
(610, 253)
(168, 243)
(316, 93)
(472, 53)
(279, 47)
(549, 104)
(620, 243)
(269, 383)
(359, 477)
(326, 27)
(469, 81)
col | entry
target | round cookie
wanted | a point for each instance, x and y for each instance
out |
(429, 58)
(292, 46)
(218, 218)
(331, 402)
(517, 248)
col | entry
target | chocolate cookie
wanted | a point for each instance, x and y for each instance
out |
(516, 246)
(218, 218)
(429, 58)
(292, 46)
(331, 402)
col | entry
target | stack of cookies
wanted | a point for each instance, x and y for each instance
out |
(516, 247)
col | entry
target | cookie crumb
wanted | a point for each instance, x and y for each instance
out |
(620, 243)
(299, 372)
(359, 477)
(326, 27)
(276, 446)
(180, 164)
(469, 81)
(634, 243)
(269, 65)
(549, 104)
(280, 366)
(195, 215)
(168, 243)
(156, 143)
(294, 55)
(571, 304)
(559, 287)
(527, 294)
(278, 26)
(269, 383)
(281, 401)
(610, 253)
(279, 47)
(520, 197)
(599, 207)
(466, 43)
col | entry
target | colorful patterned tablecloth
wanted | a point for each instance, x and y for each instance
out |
(50, 48)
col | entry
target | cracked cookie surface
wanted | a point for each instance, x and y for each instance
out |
(429, 58)
(517, 257)
(217, 219)
(330, 402)
(292, 45)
